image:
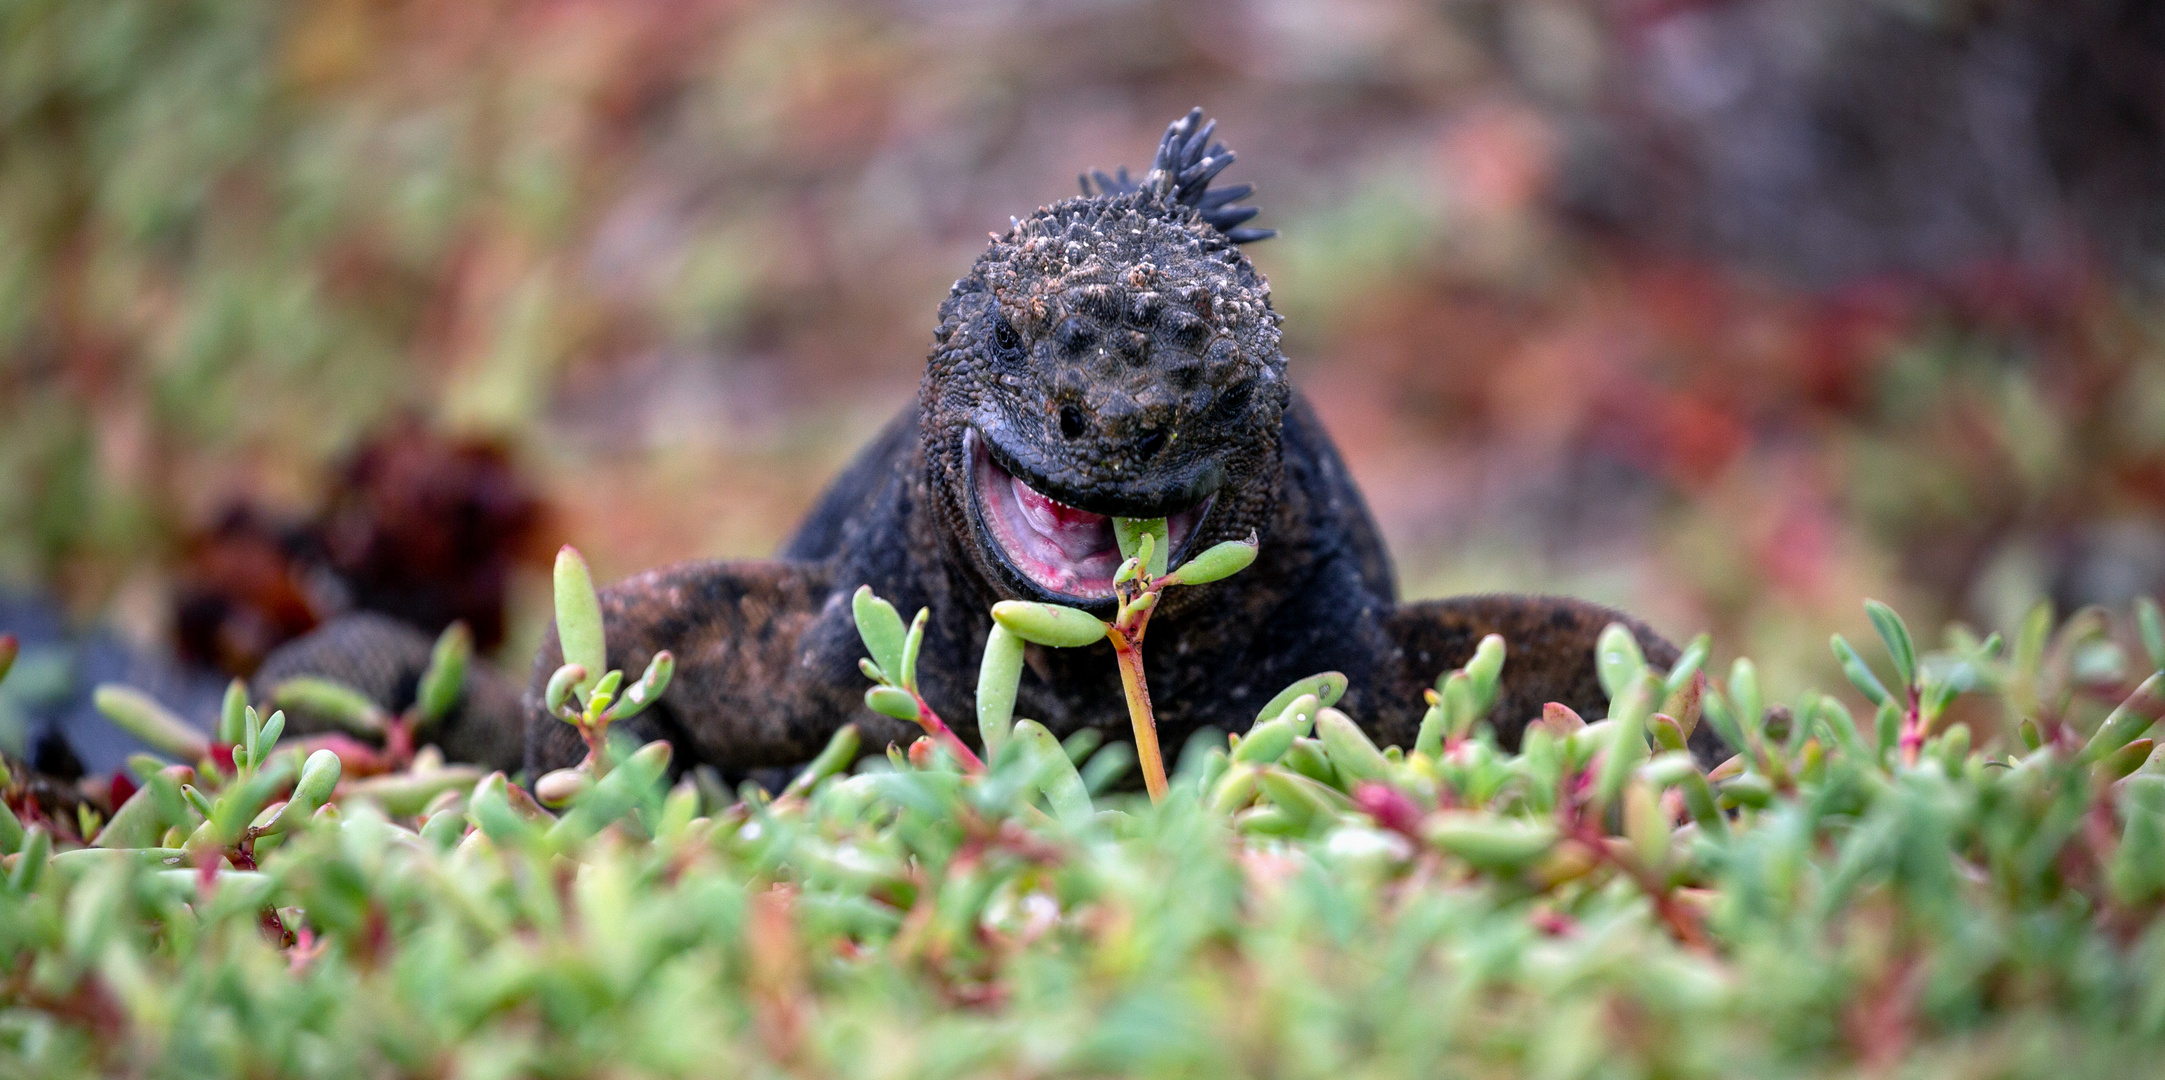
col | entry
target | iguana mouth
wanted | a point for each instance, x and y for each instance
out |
(1060, 548)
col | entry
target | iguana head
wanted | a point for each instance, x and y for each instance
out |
(1113, 354)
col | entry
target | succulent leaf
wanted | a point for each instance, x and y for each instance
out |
(578, 618)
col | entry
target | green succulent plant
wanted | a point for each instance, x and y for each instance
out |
(1971, 884)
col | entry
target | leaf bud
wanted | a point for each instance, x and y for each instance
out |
(560, 786)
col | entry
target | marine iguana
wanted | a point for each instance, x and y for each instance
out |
(1112, 354)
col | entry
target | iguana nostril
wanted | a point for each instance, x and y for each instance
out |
(1072, 424)
(1149, 445)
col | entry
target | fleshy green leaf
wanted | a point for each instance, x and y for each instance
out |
(232, 718)
(1900, 648)
(881, 628)
(445, 678)
(1687, 665)
(1626, 745)
(999, 678)
(1056, 775)
(1327, 687)
(578, 618)
(840, 751)
(557, 696)
(333, 701)
(1859, 675)
(1216, 563)
(1483, 673)
(1617, 659)
(1049, 624)
(2150, 626)
(660, 671)
(140, 715)
(912, 643)
(2128, 721)
(892, 701)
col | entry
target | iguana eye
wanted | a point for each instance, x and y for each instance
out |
(1234, 401)
(1006, 340)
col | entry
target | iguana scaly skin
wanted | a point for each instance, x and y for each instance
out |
(1112, 354)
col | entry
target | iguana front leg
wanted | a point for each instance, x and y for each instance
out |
(766, 666)
(1549, 656)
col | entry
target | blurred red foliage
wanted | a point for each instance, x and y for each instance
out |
(416, 525)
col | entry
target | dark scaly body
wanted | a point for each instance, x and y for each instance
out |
(1118, 354)
(1112, 354)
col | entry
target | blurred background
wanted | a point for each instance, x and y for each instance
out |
(1729, 312)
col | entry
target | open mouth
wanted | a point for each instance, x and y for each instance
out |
(1062, 549)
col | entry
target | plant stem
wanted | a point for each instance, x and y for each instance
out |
(1682, 922)
(398, 741)
(1130, 656)
(945, 735)
(1913, 732)
(596, 736)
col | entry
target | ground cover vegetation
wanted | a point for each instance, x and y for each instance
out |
(1967, 882)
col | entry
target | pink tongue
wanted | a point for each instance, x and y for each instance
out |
(1078, 534)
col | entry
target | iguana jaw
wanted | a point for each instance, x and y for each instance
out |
(1067, 552)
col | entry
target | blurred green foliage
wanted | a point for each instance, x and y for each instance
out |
(1831, 900)
(225, 243)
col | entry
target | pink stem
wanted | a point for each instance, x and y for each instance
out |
(1912, 740)
(945, 736)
